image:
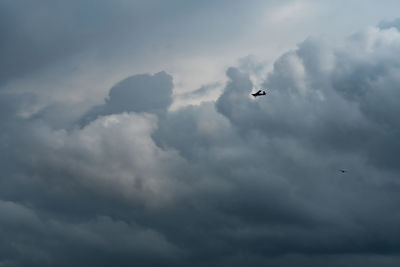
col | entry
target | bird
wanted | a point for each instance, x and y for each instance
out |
(342, 170)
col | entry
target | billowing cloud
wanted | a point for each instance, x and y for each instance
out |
(138, 93)
(233, 182)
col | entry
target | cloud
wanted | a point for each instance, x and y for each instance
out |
(239, 181)
(200, 93)
(138, 93)
(50, 35)
(387, 24)
(105, 237)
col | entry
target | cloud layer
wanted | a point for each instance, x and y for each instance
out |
(232, 182)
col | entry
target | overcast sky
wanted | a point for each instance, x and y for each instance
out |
(129, 136)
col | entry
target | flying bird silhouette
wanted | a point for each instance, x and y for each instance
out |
(342, 170)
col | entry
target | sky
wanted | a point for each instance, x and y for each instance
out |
(129, 136)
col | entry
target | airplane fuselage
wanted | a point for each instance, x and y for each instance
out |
(259, 93)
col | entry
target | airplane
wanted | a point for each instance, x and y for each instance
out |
(259, 93)
(343, 171)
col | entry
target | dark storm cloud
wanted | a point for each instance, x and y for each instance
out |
(50, 34)
(235, 182)
(38, 34)
(286, 149)
(110, 241)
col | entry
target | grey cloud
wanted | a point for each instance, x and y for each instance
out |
(17, 216)
(235, 182)
(48, 34)
(37, 35)
(387, 24)
(371, 82)
(299, 89)
(35, 241)
(138, 93)
(201, 92)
